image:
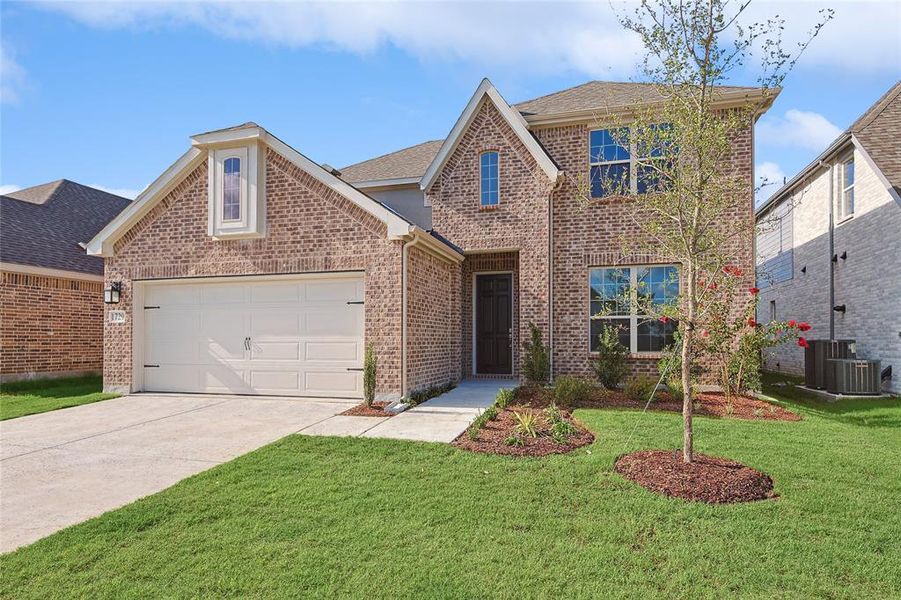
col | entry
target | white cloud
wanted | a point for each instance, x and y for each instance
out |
(769, 178)
(130, 193)
(545, 36)
(797, 129)
(9, 188)
(12, 76)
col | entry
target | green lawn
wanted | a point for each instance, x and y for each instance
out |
(31, 397)
(328, 517)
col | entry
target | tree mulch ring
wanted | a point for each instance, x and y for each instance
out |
(493, 437)
(707, 479)
(710, 404)
(361, 410)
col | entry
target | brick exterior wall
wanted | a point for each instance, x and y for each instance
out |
(866, 282)
(49, 326)
(433, 320)
(518, 223)
(310, 228)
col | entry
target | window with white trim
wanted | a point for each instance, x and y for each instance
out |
(488, 170)
(618, 167)
(236, 192)
(617, 297)
(846, 187)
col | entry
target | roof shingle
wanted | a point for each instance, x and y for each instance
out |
(879, 130)
(42, 226)
(406, 163)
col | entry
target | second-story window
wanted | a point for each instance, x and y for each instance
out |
(846, 199)
(617, 166)
(489, 179)
(231, 190)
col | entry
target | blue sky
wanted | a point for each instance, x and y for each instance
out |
(107, 94)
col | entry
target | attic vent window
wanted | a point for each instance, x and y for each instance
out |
(236, 192)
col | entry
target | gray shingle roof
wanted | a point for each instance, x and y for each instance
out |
(879, 130)
(599, 95)
(42, 226)
(409, 162)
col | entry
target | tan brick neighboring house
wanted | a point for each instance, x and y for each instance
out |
(829, 246)
(51, 292)
(248, 268)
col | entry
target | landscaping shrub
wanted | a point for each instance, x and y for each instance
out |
(640, 388)
(674, 387)
(561, 429)
(504, 398)
(420, 396)
(536, 364)
(569, 390)
(369, 367)
(515, 440)
(610, 364)
(526, 423)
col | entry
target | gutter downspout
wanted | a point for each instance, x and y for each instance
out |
(831, 251)
(550, 280)
(403, 327)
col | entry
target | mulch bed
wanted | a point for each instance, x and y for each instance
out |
(711, 404)
(361, 410)
(492, 437)
(707, 479)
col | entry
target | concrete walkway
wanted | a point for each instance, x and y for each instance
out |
(440, 419)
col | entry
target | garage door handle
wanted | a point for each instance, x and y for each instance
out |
(151, 366)
(355, 302)
(354, 368)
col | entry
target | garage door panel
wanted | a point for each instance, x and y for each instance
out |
(281, 351)
(171, 295)
(223, 293)
(333, 382)
(275, 323)
(275, 293)
(275, 382)
(347, 351)
(332, 321)
(303, 337)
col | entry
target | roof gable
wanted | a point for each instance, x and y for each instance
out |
(486, 92)
(102, 243)
(878, 131)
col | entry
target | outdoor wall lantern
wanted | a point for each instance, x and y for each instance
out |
(112, 293)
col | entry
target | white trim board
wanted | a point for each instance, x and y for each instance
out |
(47, 272)
(486, 91)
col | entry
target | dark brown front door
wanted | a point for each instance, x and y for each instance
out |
(494, 324)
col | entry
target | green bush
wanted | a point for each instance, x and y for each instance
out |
(569, 390)
(420, 396)
(640, 388)
(561, 429)
(369, 367)
(674, 387)
(526, 423)
(536, 364)
(610, 364)
(515, 440)
(504, 398)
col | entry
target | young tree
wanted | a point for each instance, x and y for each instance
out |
(694, 205)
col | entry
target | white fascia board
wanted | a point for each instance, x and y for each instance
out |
(396, 224)
(102, 243)
(435, 245)
(515, 120)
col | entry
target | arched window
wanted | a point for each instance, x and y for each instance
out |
(231, 191)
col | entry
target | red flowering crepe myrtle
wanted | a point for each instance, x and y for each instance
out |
(792, 323)
(752, 322)
(754, 291)
(804, 326)
(803, 343)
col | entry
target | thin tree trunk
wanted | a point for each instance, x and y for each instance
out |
(687, 400)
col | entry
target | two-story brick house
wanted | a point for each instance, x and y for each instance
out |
(829, 245)
(248, 268)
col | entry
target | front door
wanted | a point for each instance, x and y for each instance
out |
(494, 324)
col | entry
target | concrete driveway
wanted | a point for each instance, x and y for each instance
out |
(66, 466)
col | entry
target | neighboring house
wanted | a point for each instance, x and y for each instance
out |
(246, 267)
(829, 245)
(51, 292)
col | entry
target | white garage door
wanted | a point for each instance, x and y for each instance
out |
(296, 337)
